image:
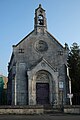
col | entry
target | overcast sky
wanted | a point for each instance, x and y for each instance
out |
(17, 21)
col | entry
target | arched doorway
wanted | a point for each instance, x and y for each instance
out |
(43, 79)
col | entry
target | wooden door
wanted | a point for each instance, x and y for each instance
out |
(42, 93)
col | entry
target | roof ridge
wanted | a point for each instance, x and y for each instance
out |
(55, 39)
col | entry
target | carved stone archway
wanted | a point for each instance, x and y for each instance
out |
(43, 87)
(43, 74)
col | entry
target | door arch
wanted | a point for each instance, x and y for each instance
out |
(43, 87)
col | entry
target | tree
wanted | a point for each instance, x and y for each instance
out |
(74, 67)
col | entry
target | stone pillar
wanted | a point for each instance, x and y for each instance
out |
(55, 97)
(31, 87)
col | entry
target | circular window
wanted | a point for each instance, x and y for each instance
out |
(41, 46)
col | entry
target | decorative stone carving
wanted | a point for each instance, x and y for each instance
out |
(42, 77)
(41, 46)
(43, 64)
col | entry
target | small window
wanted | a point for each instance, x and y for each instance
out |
(21, 50)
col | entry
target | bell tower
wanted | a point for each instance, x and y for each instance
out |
(40, 24)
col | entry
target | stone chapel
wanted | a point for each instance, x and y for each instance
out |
(37, 68)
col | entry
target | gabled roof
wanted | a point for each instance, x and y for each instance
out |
(34, 30)
(23, 39)
(55, 39)
(47, 33)
(40, 7)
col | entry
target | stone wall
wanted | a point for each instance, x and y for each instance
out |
(74, 109)
(21, 109)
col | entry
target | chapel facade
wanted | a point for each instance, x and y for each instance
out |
(36, 71)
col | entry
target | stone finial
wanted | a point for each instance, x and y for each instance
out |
(66, 46)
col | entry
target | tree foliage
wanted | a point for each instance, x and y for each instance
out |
(74, 67)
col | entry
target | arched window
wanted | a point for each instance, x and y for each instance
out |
(40, 20)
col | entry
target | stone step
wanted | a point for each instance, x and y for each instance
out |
(50, 109)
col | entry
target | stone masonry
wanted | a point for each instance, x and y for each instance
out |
(37, 73)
